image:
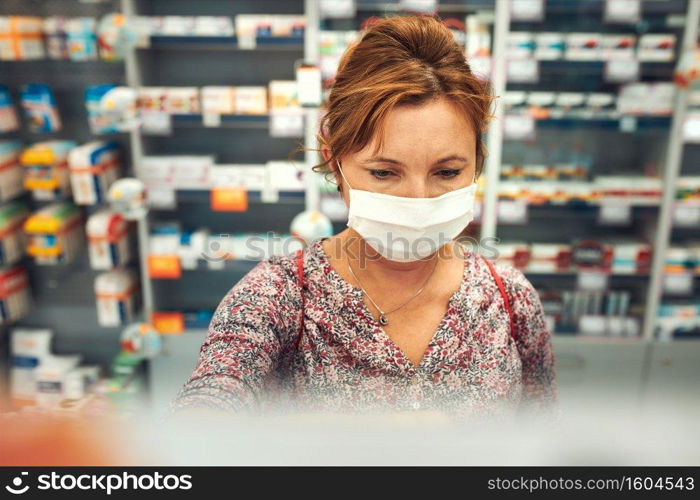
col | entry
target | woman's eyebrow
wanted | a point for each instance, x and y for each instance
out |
(382, 159)
(452, 157)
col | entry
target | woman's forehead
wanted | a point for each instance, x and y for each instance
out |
(428, 129)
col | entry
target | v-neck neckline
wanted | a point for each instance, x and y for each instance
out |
(377, 330)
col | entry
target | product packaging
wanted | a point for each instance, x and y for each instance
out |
(82, 38)
(12, 243)
(515, 254)
(631, 258)
(109, 243)
(11, 173)
(112, 37)
(55, 30)
(8, 114)
(218, 100)
(80, 381)
(21, 38)
(477, 38)
(615, 47)
(550, 46)
(100, 121)
(549, 258)
(15, 298)
(28, 349)
(51, 379)
(251, 100)
(182, 100)
(657, 47)
(284, 95)
(55, 233)
(39, 107)
(583, 47)
(93, 168)
(521, 45)
(46, 169)
(115, 293)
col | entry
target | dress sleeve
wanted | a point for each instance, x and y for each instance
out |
(534, 342)
(245, 338)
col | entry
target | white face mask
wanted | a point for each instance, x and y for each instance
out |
(406, 229)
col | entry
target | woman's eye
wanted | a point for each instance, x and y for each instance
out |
(380, 174)
(448, 173)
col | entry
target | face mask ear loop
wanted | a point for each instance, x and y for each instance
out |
(342, 174)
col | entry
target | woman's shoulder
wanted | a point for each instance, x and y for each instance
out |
(270, 275)
(517, 285)
(268, 290)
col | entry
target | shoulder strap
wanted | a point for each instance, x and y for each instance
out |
(502, 289)
(300, 275)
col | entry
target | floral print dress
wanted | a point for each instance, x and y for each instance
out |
(253, 359)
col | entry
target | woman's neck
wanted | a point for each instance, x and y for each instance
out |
(380, 273)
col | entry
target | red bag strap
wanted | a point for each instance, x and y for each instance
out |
(300, 274)
(502, 289)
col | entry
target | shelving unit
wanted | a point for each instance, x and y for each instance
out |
(63, 296)
(615, 141)
(559, 126)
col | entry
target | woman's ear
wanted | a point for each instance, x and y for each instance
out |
(326, 152)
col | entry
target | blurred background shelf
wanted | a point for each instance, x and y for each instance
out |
(295, 43)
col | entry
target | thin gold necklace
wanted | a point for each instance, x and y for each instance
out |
(383, 320)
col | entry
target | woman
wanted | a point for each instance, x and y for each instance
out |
(397, 315)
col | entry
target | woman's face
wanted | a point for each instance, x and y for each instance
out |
(428, 150)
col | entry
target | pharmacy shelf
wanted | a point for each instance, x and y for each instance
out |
(444, 6)
(195, 320)
(590, 207)
(559, 338)
(690, 341)
(241, 266)
(225, 43)
(575, 273)
(203, 196)
(227, 120)
(647, 69)
(245, 265)
(593, 7)
(560, 119)
(60, 64)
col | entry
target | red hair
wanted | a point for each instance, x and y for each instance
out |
(405, 59)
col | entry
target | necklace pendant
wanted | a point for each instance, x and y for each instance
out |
(383, 319)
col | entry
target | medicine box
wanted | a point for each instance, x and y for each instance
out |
(55, 233)
(28, 349)
(46, 169)
(55, 31)
(115, 293)
(93, 168)
(21, 38)
(12, 244)
(11, 173)
(109, 244)
(15, 298)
